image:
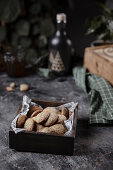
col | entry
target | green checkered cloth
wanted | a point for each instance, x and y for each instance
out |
(100, 94)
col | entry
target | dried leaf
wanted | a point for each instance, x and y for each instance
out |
(35, 8)
(42, 41)
(40, 62)
(45, 72)
(35, 29)
(106, 9)
(34, 19)
(46, 27)
(14, 39)
(9, 10)
(94, 24)
(23, 27)
(31, 56)
(25, 42)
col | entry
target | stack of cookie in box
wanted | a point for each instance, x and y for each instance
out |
(48, 120)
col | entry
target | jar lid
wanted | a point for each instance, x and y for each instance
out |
(61, 17)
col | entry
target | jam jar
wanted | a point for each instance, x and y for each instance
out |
(14, 59)
(2, 64)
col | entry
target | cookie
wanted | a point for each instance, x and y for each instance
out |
(41, 117)
(65, 112)
(51, 119)
(55, 129)
(52, 110)
(39, 127)
(70, 113)
(21, 121)
(35, 113)
(61, 118)
(46, 130)
(58, 129)
(29, 124)
(33, 109)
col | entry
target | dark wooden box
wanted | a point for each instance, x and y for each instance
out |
(44, 143)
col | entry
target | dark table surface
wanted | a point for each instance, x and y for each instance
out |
(93, 145)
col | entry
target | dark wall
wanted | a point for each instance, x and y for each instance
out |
(76, 23)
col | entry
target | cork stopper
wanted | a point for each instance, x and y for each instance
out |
(61, 17)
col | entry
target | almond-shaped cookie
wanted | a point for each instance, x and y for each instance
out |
(58, 129)
(70, 113)
(55, 129)
(20, 121)
(51, 110)
(29, 124)
(61, 118)
(35, 113)
(51, 119)
(65, 112)
(33, 109)
(46, 130)
(41, 117)
(39, 127)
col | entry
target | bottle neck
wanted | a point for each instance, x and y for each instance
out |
(61, 28)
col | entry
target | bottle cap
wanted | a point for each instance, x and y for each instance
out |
(61, 17)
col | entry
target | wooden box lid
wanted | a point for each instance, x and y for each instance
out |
(99, 60)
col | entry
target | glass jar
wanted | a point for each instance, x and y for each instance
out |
(2, 64)
(14, 59)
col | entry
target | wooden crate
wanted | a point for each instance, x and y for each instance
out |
(44, 143)
(99, 60)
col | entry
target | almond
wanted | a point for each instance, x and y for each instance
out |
(24, 87)
(9, 89)
(12, 85)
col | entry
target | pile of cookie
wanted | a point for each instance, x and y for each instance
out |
(48, 120)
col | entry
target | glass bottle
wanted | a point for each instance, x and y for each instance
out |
(60, 48)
